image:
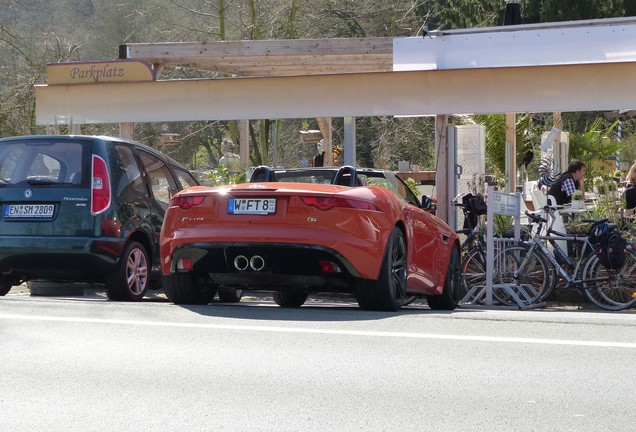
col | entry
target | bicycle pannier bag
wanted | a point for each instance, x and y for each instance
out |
(474, 206)
(611, 250)
(478, 205)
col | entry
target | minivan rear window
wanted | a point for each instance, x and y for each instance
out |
(40, 163)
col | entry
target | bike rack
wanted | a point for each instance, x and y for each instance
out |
(509, 205)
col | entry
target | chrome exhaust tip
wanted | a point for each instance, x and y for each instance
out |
(257, 263)
(241, 262)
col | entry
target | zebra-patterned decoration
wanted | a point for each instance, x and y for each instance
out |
(548, 172)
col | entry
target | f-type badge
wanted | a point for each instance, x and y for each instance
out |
(28, 193)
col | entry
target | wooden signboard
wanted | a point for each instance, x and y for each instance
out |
(99, 72)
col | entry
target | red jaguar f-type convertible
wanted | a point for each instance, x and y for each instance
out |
(311, 230)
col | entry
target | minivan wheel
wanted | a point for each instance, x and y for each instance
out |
(129, 282)
(5, 286)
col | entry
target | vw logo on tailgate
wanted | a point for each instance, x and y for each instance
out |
(28, 193)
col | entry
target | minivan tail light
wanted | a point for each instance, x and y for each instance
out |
(186, 202)
(327, 203)
(100, 186)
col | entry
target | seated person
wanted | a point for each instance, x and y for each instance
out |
(630, 189)
(563, 189)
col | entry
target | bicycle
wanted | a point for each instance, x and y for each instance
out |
(474, 260)
(607, 288)
(473, 247)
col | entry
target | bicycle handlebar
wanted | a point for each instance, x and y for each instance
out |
(535, 217)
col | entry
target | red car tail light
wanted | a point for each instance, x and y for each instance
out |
(100, 186)
(186, 202)
(327, 203)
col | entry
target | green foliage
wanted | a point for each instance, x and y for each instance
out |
(221, 176)
(593, 146)
(453, 14)
(495, 125)
(502, 225)
(605, 206)
(412, 184)
(566, 10)
(599, 185)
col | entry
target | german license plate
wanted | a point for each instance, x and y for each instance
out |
(254, 206)
(29, 210)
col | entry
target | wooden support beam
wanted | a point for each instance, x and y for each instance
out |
(126, 130)
(244, 136)
(511, 153)
(442, 173)
(270, 57)
(324, 123)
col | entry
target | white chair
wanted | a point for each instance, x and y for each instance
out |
(558, 222)
(538, 199)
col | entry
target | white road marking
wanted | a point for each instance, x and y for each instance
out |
(364, 333)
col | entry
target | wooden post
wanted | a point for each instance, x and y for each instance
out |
(511, 153)
(349, 141)
(441, 168)
(324, 123)
(244, 136)
(126, 130)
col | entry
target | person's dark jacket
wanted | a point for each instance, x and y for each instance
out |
(630, 196)
(557, 192)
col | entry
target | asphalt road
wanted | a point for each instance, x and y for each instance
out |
(87, 364)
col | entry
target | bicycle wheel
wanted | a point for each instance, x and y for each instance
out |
(522, 267)
(473, 273)
(612, 290)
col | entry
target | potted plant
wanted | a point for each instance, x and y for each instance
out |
(577, 227)
(599, 186)
(612, 189)
(577, 200)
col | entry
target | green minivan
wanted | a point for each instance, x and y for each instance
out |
(84, 209)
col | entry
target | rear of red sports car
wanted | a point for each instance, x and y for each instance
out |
(293, 239)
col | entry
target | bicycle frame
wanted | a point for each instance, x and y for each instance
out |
(570, 279)
(551, 236)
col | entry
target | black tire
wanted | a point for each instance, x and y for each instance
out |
(473, 274)
(130, 280)
(515, 267)
(5, 286)
(289, 299)
(185, 288)
(389, 291)
(449, 299)
(229, 294)
(618, 291)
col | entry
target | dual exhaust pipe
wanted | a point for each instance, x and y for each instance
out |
(256, 263)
